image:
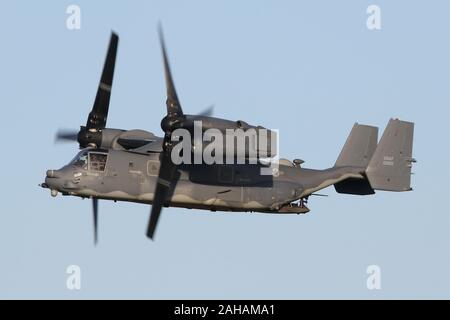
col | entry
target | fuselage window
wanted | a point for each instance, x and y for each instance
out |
(97, 161)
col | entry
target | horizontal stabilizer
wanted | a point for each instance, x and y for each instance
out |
(354, 186)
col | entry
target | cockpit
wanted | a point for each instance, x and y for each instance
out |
(91, 159)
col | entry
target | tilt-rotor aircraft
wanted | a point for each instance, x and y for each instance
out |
(136, 165)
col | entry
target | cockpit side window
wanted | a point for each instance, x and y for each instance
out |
(81, 161)
(97, 161)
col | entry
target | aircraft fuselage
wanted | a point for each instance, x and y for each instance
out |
(127, 176)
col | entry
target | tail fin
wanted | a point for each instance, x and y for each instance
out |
(390, 167)
(357, 152)
(359, 147)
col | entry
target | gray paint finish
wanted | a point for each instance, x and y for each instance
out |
(131, 176)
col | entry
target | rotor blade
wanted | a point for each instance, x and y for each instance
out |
(208, 112)
(172, 103)
(66, 135)
(95, 215)
(166, 175)
(99, 114)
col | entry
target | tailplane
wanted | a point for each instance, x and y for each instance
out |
(386, 166)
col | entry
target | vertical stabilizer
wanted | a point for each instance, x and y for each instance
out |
(390, 167)
(359, 147)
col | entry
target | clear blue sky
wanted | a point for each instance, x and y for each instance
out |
(310, 69)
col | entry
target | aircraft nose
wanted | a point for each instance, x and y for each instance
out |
(54, 181)
(61, 180)
(53, 174)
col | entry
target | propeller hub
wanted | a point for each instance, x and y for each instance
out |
(171, 123)
(89, 137)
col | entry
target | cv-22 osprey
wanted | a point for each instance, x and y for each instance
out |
(137, 166)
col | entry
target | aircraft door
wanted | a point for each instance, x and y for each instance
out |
(122, 174)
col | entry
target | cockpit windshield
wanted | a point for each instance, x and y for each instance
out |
(81, 160)
(92, 160)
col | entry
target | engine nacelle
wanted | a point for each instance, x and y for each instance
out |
(258, 140)
(102, 138)
(117, 139)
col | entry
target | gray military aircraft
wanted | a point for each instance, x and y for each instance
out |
(136, 165)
